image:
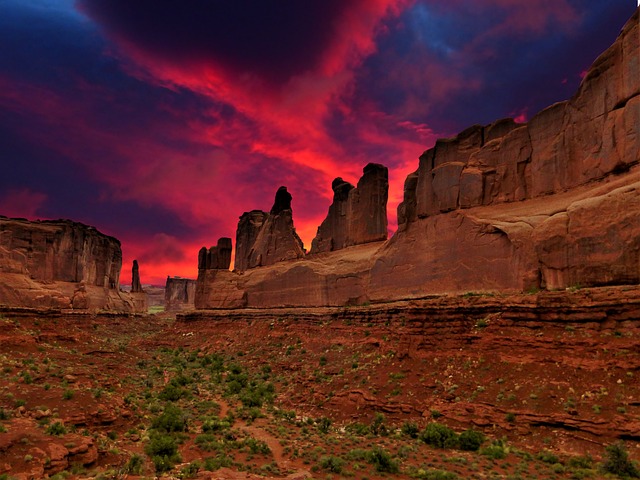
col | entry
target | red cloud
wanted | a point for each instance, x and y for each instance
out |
(21, 202)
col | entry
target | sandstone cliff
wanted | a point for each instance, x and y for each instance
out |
(358, 214)
(267, 238)
(60, 264)
(554, 203)
(179, 294)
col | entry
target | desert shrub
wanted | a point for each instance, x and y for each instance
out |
(56, 429)
(323, 424)
(358, 454)
(254, 394)
(3, 414)
(358, 428)
(434, 475)
(171, 420)
(382, 461)
(617, 461)
(410, 429)
(212, 464)
(471, 440)
(332, 464)
(257, 447)
(209, 442)
(377, 426)
(134, 465)
(215, 425)
(495, 451)
(580, 462)
(547, 457)
(163, 451)
(440, 436)
(172, 393)
(191, 470)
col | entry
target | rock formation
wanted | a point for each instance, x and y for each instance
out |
(358, 214)
(179, 294)
(136, 286)
(551, 204)
(266, 238)
(216, 258)
(61, 264)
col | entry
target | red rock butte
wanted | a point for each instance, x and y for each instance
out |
(551, 204)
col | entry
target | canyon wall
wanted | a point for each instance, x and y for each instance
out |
(61, 264)
(358, 214)
(551, 204)
(179, 294)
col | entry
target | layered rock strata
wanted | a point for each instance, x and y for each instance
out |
(266, 238)
(358, 214)
(551, 204)
(179, 294)
(61, 264)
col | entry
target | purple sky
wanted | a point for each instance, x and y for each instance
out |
(160, 122)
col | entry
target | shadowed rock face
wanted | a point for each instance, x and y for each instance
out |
(179, 294)
(358, 214)
(61, 264)
(136, 285)
(216, 258)
(266, 238)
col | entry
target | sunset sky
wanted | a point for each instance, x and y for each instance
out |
(161, 121)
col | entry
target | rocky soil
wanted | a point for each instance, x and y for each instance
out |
(549, 380)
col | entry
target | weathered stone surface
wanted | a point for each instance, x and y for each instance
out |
(267, 238)
(179, 294)
(357, 215)
(219, 289)
(249, 226)
(61, 264)
(594, 134)
(216, 258)
(136, 286)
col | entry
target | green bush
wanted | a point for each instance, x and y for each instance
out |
(257, 447)
(171, 420)
(547, 457)
(617, 461)
(434, 475)
(56, 429)
(377, 426)
(382, 461)
(172, 393)
(471, 440)
(440, 436)
(332, 464)
(496, 451)
(134, 465)
(410, 429)
(323, 424)
(215, 425)
(212, 464)
(163, 451)
(209, 442)
(3, 414)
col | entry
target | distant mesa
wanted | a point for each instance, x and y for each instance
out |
(179, 294)
(62, 265)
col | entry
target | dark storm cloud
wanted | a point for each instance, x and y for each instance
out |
(275, 40)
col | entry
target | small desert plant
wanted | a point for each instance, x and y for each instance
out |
(332, 464)
(410, 429)
(134, 465)
(440, 436)
(56, 429)
(382, 461)
(470, 440)
(163, 451)
(172, 419)
(323, 424)
(617, 461)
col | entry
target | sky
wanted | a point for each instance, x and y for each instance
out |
(160, 122)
